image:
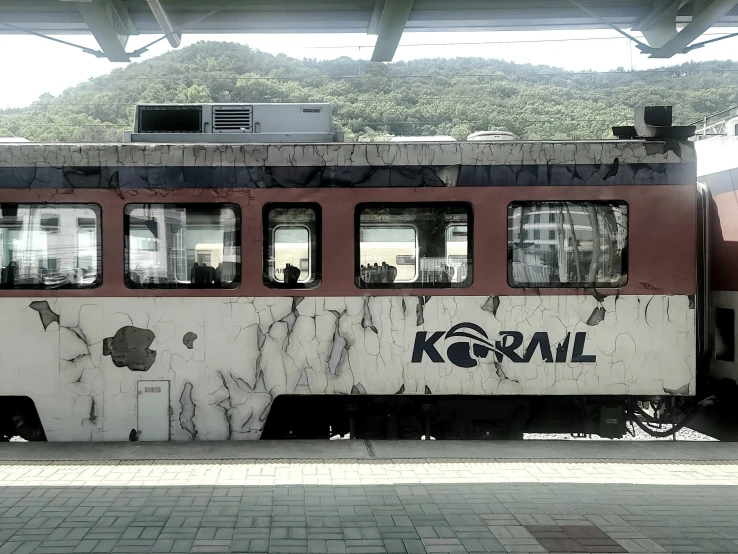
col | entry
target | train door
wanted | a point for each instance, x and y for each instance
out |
(153, 410)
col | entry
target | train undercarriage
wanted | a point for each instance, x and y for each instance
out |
(423, 417)
(474, 418)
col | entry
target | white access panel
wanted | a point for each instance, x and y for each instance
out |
(153, 410)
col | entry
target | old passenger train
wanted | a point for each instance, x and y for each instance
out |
(239, 272)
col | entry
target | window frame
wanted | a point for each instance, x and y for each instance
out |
(95, 207)
(237, 281)
(268, 238)
(467, 207)
(624, 273)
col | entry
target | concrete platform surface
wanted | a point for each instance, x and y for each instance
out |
(366, 450)
(389, 498)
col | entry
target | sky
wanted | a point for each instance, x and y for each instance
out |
(40, 66)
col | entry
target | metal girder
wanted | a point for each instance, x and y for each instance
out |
(107, 26)
(660, 25)
(706, 14)
(391, 27)
(373, 27)
(162, 18)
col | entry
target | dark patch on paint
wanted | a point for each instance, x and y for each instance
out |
(187, 413)
(358, 389)
(133, 435)
(598, 296)
(420, 317)
(48, 316)
(491, 305)
(612, 170)
(647, 285)
(340, 345)
(691, 301)
(402, 390)
(597, 316)
(130, 348)
(188, 339)
(366, 319)
(93, 415)
(500, 373)
(427, 390)
(681, 391)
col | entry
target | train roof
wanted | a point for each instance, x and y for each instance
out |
(352, 164)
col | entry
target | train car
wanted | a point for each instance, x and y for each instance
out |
(237, 272)
(717, 168)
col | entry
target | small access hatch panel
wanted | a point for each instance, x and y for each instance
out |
(153, 410)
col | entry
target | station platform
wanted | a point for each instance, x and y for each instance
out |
(370, 497)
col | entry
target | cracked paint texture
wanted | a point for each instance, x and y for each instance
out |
(249, 350)
(504, 163)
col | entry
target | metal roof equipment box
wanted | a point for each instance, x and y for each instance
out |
(233, 123)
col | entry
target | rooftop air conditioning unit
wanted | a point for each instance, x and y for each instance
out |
(233, 123)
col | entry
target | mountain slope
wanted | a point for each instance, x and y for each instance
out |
(425, 97)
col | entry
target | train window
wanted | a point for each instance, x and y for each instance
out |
(291, 245)
(414, 245)
(584, 244)
(50, 246)
(182, 246)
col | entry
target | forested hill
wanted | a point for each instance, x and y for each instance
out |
(425, 97)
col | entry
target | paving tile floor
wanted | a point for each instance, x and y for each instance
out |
(369, 506)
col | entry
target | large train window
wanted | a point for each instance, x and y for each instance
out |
(50, 246)
(567, 244)
(291, 245)
(423, 245)
(182, 246)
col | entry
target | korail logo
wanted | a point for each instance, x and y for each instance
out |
(467, 343)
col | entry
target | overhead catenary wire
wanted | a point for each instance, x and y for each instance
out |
(458, 43)
(210, 76)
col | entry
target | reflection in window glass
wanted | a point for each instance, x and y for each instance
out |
(456, 252)
(420, 245)
(291, 246)
(583, 244)
(182, 245)
(393, 246)
(49, 246)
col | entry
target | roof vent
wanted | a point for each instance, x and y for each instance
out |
(233, 123)
(654, 123)
(492, 136)
(232, 119)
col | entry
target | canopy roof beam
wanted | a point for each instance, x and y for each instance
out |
(162, 18)
(108, 27)
(660, 27)
(391, 26)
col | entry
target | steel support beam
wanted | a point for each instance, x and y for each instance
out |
(659, 27)
(108, 28)
(162, 18)
(391, 27)
(701, 22)
(122, 10)
(373, 27)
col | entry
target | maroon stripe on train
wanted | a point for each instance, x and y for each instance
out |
(661, 246)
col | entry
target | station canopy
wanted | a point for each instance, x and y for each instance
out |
(668, 27)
